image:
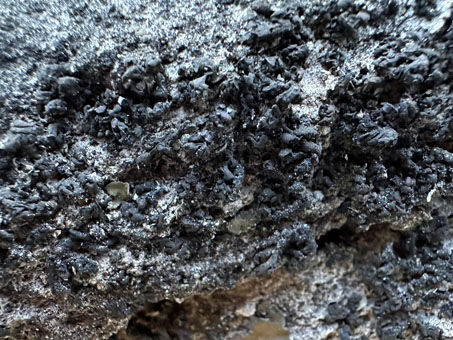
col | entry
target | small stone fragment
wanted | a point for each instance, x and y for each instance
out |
(118, 190)
(56, 107)
(68, 86)
(290, 96)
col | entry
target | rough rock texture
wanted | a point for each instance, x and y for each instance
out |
(226, 169)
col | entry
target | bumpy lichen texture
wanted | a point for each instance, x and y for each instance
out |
(295, 157)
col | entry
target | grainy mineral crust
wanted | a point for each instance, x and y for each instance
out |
(226, 169)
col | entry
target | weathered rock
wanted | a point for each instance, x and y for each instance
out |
(218, 169)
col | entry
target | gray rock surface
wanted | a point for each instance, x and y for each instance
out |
(222, 169)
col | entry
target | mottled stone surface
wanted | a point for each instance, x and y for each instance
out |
(293, 157)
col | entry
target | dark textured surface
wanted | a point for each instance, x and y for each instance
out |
(151, 152)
